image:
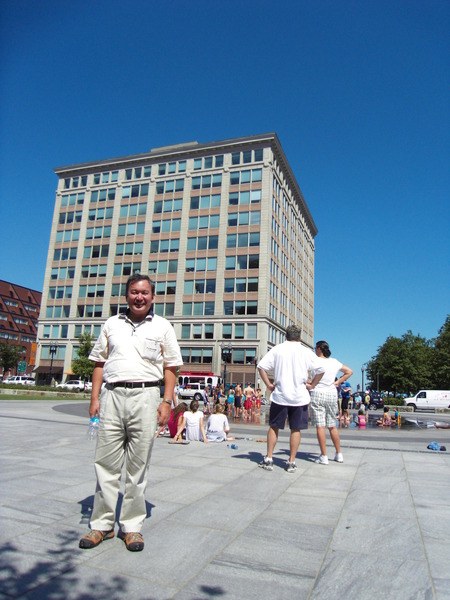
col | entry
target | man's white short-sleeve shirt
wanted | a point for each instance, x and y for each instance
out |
(136, 352)
(290, 363)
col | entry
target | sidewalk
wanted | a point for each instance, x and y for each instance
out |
(377, 526)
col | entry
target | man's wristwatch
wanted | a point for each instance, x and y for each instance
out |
(167, 400)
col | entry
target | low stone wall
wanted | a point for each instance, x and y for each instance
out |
(23, 390)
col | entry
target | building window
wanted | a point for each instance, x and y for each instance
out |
(209, 201)
(162, 266)
(198, 309)
(239, 331)
(103, 195)
(164, 309)
(240, 307)
(197, 355)
(200, 286)
(72, 199)
(253, 175)
(133, 210)
(203, 222)
(135, 191)
(126, 269)
(203, 242)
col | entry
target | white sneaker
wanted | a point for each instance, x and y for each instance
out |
(339, 457)
(266, 463)
(322, 460)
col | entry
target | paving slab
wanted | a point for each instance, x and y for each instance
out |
(376, 526)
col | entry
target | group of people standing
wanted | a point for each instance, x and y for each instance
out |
(240, 403)
(292, 391)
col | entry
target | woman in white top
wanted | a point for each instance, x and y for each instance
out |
(324, 401)
(218, 428)
(193, 422)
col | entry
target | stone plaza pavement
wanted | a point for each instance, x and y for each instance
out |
(376, 526)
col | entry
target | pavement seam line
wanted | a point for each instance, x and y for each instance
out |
(420, 530)
(235, 537)
(325, 554)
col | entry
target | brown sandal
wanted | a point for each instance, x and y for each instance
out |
(133, 541)
(95, 537)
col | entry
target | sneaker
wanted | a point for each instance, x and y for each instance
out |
(290, 467)
(267, 464)
(339, 457)
(322, 460)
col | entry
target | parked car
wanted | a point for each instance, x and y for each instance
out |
(376, 401)
(75, 385)
(20, 380)
(192, 392)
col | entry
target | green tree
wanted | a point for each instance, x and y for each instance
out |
(403, 364)
(82, 366)
(441, 357)
(9, 356)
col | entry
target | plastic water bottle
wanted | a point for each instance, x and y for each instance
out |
(232, 446)
(93, 429)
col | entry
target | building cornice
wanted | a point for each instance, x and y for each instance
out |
(190, 150)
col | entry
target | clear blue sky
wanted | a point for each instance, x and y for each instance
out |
(358, 93)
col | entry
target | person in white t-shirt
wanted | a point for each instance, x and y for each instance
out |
(290, 363)
(218, 428)
(324, 401)
(193, 422)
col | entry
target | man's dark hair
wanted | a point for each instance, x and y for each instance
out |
(293, 333)
(324, 347)
(139, 277)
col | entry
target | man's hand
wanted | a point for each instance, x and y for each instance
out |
(163, 413)
(94, 407)
(97, 380)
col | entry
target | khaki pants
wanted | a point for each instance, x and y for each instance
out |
(127, 430)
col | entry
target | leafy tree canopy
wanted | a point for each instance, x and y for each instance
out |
(412, 362)
(9, 356)
(441, 357)
(82, 366)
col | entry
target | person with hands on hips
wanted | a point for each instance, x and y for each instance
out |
(290, 363)
(134, 353)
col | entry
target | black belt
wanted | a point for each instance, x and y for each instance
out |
(135, 384)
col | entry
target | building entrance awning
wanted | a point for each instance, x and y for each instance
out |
(46, 369)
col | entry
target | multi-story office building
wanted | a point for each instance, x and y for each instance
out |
(222, 228)
(19, 311)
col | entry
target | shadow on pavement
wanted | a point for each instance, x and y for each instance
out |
(52, 576)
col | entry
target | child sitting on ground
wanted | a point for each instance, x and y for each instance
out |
(361, 418)
(386, 421)
(218, 427)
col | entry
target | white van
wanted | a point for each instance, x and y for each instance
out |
(429, 400)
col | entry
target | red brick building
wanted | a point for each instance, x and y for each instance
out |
(19, 312)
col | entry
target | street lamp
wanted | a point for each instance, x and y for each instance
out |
(362, 381)
(53, 350)
(227, 350)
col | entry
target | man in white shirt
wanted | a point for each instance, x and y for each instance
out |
(290, 363)
(133, 354)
